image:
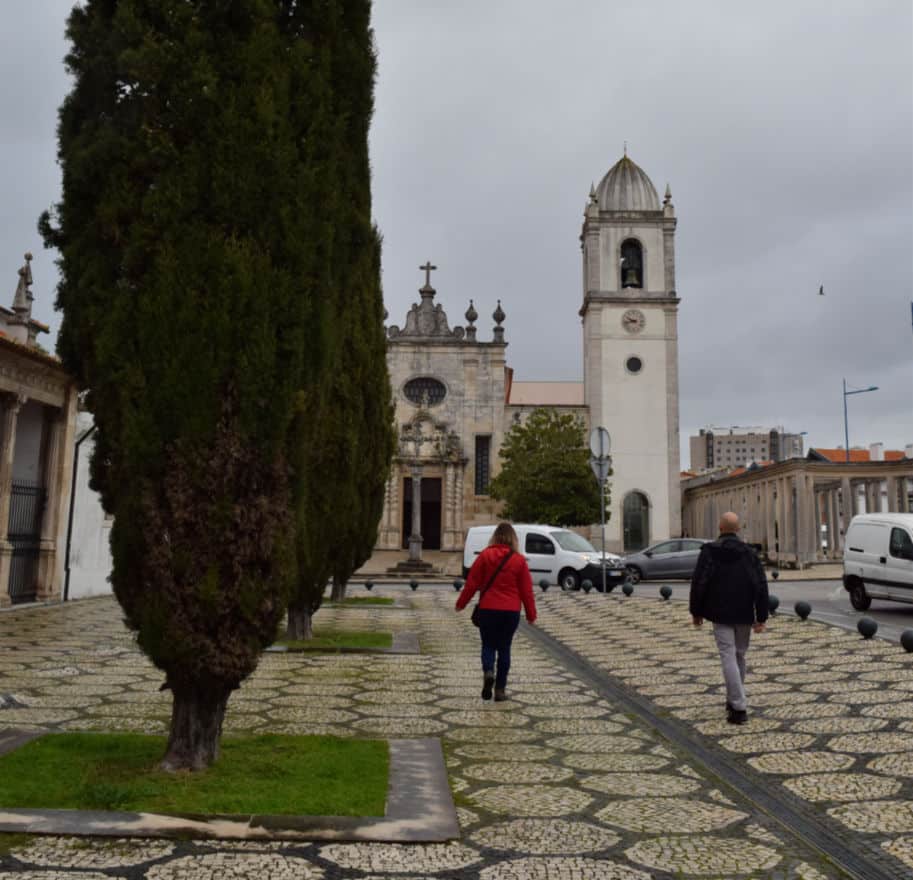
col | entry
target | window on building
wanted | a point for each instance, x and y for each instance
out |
(483, 463)
(632, 263)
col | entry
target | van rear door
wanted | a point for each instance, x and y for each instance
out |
(866, 554)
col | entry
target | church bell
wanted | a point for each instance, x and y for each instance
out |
(631, 279)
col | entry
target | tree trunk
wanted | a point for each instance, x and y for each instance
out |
(339, 591)
(300, 625)
(196, 726)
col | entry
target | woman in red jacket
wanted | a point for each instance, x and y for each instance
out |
(500, 566)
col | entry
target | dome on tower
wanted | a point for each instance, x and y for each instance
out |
(626, 187)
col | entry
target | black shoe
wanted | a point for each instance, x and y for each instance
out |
(488, 683)
(737, 716)
(500, 695)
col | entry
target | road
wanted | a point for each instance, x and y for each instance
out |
(830, 604)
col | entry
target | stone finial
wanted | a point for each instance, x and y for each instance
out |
(22, 300)
(471, 316)
(593, 195)
(668, 196)
(499, 317)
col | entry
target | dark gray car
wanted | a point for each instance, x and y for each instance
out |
(675, 558)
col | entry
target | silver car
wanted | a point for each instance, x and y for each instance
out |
(667, 559)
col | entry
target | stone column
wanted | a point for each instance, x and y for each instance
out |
(8, 423)
(54, 454)
(834, 538)
(893, 505)
(785, 518)
(415, 536)
(801, 537)
(872, 497)
(904, 496)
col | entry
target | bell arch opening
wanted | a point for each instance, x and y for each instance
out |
(631, 264)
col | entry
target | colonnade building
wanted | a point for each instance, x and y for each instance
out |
(797, 511)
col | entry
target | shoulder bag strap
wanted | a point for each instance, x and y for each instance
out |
(491, 580)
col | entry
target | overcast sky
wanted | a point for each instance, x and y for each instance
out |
(785, 130)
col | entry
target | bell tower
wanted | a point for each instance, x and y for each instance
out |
(630, 350)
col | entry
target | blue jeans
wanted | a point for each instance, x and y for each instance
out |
(497, 629)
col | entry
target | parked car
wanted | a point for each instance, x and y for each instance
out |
(667, 559)
(555, 554)
(878, 558)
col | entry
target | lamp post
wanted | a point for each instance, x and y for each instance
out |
(846, 427)
(601, 463)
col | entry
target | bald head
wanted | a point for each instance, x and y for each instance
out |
(729, 523)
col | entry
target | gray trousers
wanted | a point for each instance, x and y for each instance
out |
(732, 643)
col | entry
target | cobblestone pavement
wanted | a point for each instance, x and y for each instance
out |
(830, 714)
(554, 784)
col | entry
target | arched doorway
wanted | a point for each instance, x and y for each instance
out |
(636, 521)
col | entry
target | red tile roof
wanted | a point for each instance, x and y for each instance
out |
(839, 455)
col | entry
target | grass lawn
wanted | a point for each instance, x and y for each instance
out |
(289, 775)
(335, 640)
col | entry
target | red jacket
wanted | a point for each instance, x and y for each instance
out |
(512, 587)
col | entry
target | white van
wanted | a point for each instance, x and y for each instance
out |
(555, 554)
(878, 558)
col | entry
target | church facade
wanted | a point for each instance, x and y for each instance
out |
(456, 396)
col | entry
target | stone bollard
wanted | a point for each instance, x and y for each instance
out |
(773, 603)
(414, 585)
(628, 588)
(369, 585)
(666, 592)
(544, 584)
(803, 609)
(586, 586)
(867, 627)
(906, 639)
(457, 585)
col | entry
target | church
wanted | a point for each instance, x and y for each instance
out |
(456, 396)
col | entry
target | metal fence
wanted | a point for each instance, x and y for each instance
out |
(27, 504)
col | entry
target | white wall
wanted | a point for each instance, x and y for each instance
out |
(90, 554)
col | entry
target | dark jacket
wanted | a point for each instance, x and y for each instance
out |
(729, 584)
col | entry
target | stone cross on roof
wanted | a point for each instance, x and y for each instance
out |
(428, 269)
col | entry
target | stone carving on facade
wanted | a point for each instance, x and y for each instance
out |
(426, 320)
(429, 441)
(22, 300)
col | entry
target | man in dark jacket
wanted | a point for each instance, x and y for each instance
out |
(729, 588)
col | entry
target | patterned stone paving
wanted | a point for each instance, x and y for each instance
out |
(827, 711)
(554, 784)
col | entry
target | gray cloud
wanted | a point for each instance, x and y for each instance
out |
(785, 130)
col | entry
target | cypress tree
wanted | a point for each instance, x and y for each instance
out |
(194, 235)
(344, 440)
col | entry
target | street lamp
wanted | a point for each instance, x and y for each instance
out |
(846, 428)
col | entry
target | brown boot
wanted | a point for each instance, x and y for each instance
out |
(500, 695)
